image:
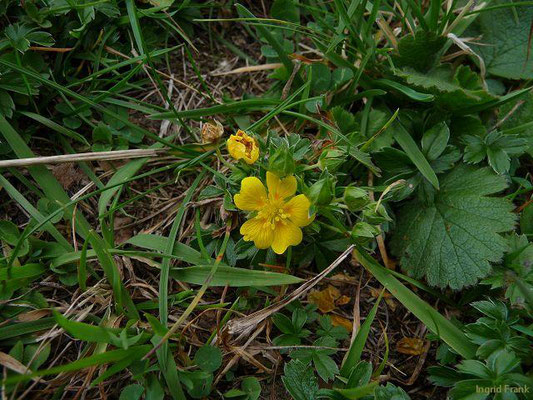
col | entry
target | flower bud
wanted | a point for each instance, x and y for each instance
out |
(363, 232)
(355, 198)
(212, 131)
(281, 162)
(331, 159)
(375, 216)
(322, 191)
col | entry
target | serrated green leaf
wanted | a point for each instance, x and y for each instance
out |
(419, 51)
(505, 47)
(453, 90)
(300, 381)
(453, 240)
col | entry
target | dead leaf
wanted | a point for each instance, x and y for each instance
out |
(32, 315)
(343, 300)
(339, 278)
(324, 299)
(337, 320)
(122, 231)
(68, 174)
(411, 346)
(12, 363)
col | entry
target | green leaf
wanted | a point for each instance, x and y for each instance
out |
(17, 35)
(526, 220)
(251, 386)
(454, 90)
(390, 392)
(420, 51)
(121, 295)
(23, 328)
(505, 46)
(358, 392)
(517, 118)
(435, 140)
(320, 77)
(113, 356)
(325, 366)
(410, 147)
(159, 243)
(405, 90)
(132, 392)
(340, 76)
(6, 104)
(232, 276)
(83, 331)
(453, 240)
(300, 381)
(208, 358)
(286, 10)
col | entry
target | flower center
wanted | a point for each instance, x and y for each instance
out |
(273, 213)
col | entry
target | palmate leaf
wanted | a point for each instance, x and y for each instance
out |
(453, 240)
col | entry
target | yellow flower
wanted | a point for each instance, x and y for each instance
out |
(243, 146)
(279, 214)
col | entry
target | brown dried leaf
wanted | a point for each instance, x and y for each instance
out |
(411, 346)
(122, 231)
(32, 315)
(324, 299)
(343, 300)
(67, 174)
(337, 320)
(338, 279)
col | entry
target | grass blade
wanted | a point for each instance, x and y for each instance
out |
(232, 276)
(353, 356)
(410, 147)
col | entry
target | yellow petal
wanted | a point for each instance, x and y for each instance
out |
(252, 195)
(285, 235)
(279, 189)
(235, 148)
(298, 210)
(254, 154)
(242, 146)
(258, 230)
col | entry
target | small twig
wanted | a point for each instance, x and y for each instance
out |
(508, 115)
(98, 155)
(251, 68)
(51, 49)
(287, 87)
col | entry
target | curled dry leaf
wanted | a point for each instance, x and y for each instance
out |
(411, 346)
